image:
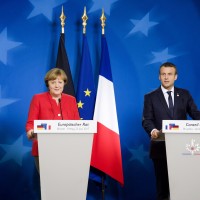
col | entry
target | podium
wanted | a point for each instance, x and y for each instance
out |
(64, 155)
(182, 138)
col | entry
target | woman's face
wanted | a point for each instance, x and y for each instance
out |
(56, 87)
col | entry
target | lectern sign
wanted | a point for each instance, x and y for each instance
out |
(63, 126)
(181, 126)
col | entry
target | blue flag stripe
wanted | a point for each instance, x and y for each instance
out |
(105, 69)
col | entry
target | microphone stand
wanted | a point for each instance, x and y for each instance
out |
(59, 100)
(103, 187)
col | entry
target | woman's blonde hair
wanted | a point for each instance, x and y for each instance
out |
(53, 74)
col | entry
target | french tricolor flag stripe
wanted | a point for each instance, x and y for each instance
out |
(107, 154)
(106, 100)
(106, 150)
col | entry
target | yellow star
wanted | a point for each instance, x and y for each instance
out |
(80, 104)
(87, 92)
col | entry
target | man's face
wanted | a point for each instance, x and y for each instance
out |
(167, 77)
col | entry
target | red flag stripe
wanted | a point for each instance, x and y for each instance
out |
(101, 156)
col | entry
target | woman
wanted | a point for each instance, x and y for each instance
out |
(51, 105)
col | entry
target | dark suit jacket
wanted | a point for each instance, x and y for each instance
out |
(156, 110)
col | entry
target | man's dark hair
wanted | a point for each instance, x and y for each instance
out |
(169, 64)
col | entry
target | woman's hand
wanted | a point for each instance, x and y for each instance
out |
(30, 134)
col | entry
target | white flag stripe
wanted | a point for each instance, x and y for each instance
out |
(106, 100)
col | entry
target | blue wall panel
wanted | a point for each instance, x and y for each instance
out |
(140, 34)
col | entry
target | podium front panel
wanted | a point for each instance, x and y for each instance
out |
(183, 165)
(183, 158)
(64, 157)
(64, 165)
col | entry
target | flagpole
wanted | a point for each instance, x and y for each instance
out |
(62, 61)
(62, 19)
(84, 19)
(103, 19)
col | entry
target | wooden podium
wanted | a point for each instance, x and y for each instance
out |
(64, 154)
(182, 138)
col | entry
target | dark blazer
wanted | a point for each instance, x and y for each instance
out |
(156, 109)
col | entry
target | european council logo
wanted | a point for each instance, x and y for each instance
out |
(192, 148)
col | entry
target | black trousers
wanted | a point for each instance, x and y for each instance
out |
(162, 182)
(37, 165)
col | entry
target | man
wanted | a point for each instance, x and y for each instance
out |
(165, 103)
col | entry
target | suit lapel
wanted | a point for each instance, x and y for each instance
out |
(163, 101)
(177, 100)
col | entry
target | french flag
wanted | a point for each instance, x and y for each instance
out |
(106, 151)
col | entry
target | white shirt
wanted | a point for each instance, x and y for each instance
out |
(166, 97)
(166, 94)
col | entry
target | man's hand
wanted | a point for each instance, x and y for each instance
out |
(155, 134)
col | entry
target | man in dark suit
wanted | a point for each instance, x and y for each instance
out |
(165, 103)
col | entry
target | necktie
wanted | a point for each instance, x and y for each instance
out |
(171, 107)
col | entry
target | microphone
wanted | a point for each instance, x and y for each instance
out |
(59, 100)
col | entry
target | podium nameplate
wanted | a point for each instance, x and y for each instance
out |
(181, 126)
(65, 126)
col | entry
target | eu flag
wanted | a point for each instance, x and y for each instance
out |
(86, 96)
(86, 93)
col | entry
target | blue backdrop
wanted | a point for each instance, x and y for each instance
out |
(140, 34)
